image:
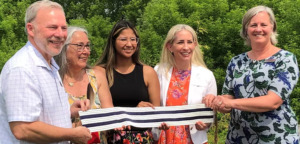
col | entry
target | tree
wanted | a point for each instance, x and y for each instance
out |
(12, 34)
(217, 23)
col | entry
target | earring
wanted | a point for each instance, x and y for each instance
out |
(172, 53)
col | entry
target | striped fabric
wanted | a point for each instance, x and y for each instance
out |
(110, 118)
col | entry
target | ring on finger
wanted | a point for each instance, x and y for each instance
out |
(220, 102)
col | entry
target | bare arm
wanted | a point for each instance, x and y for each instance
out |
(151, 81)
(265, 103)
(103, 89)
(39, 132)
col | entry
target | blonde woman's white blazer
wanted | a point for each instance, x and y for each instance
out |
(202, 82)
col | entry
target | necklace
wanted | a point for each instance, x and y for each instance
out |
(71, 84)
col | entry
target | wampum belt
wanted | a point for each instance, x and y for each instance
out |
(144, 117)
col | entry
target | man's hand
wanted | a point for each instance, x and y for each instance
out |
(79, 105)
(81, 135)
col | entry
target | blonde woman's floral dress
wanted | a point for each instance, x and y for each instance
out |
(248, 78)
(177, 95)
(97, 137)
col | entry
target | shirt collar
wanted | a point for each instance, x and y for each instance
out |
(38, 58)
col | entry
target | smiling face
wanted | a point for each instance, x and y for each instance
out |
(75, 58)
(260, 29)
(48, 31)
(183, 46)
(125, 44)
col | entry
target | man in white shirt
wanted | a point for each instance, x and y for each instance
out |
(34, 106)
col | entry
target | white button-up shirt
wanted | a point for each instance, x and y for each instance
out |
(31, 91)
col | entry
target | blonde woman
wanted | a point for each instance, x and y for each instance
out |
(184, 80)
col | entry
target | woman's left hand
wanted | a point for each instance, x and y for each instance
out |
(163, 126)
(201, 126)
(145, 104)
(208, 100)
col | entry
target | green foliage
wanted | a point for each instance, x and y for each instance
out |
(295, 101)
(217, 23)
(222, 127)
(134, 10)
(12, 35)
(150, 47)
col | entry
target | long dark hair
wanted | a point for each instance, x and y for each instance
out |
(108, 58)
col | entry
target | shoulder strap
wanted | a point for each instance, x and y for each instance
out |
(93, 86)
(92, 79)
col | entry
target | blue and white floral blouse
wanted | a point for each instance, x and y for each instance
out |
(248, 78)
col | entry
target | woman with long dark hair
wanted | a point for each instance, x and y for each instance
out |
(132, 83)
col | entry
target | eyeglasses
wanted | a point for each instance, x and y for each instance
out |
(133, 40)
(80, 47)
